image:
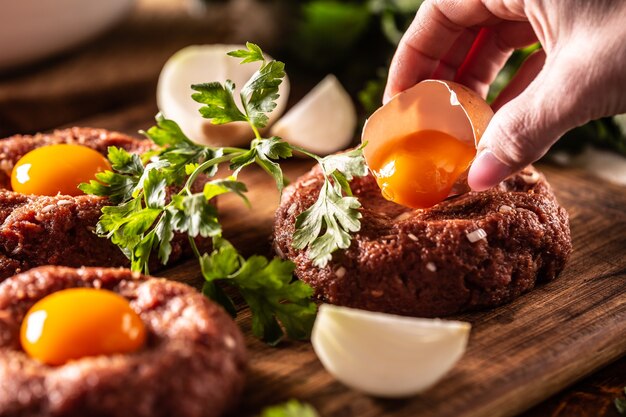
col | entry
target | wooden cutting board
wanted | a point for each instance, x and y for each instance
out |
(518, 354)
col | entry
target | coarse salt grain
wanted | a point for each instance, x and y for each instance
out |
(308, 182)
(229, 342)
(530, 177)
(476, 235)
(431, 266)
(403, 216)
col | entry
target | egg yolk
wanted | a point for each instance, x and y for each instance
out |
(78, 322)
(419, 170)
(55, 169)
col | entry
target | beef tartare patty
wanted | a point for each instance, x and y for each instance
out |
(474, 251)
(41, 230)
(192, 364)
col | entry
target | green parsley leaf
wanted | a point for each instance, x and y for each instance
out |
(252, 54)
(219, 104)
(152, 175)
(351, 164)
(332, 216)
(155, 189)
(118, 186)
(224, 261)
(164, 233)
(620, 404)
(326, 225)
(259, 94)
(167, 133)
(124, 162)
(125, 225)
(181, 153)
(230, 184)
(267, 287)
(265, 152)
(292, 408)
(110, 184)
(141, 253)
(194, 216)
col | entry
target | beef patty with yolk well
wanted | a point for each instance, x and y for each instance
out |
(40, 230)
(192, 363)
(474, 251)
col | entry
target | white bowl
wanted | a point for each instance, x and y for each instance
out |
(34, 29)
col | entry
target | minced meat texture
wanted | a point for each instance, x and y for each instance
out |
(59, 230)
(192, 365)
(423, 262)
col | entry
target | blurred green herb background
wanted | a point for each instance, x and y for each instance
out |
(331, 34)
(355, 39)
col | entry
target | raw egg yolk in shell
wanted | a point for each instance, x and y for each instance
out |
(439, 157)
(422, 142)
(57, 169)
(78, 322)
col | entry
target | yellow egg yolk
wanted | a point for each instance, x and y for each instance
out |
(55, 169)
(78, 322)
(419, 170)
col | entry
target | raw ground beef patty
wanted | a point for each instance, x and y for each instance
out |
(42, 230)
(192, 365)
(423, 262)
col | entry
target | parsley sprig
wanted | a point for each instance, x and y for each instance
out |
(326, 225)
(170, 190)
(620, 404)
(291, 408)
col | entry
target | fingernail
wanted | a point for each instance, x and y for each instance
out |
(487, 171)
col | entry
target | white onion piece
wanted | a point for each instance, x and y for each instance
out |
(207, 63)
(322, 122)
(383, 354)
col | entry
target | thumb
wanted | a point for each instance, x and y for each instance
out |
(523, 130)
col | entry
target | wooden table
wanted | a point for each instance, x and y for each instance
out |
(111, 84)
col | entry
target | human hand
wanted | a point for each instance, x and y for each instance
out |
(579, 75)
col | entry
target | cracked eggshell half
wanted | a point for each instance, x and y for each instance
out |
(443, 106)
(386, 355)
(323, 122)
(207, 63)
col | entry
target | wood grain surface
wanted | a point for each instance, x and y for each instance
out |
(518, 354)
(123, 65)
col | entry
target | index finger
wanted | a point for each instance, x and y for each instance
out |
(436, 27)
